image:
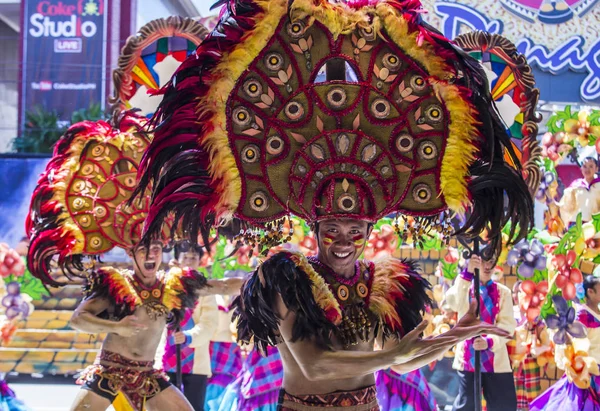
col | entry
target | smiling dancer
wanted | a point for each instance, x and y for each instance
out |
(339, 113)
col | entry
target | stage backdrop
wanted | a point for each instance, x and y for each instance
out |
(64, 49)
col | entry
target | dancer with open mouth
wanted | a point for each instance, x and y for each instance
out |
(80, 209)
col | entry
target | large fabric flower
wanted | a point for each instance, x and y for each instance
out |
(10, 262)
(567, 275)
(530, 256)
(383, 242)
(579, 367)
(532, 297)
(588, 245)
(547, 191)
(564, 322)
(13, 302)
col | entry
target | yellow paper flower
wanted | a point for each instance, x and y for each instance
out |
(579, 367)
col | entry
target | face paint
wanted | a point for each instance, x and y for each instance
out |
(359, 241)
(328, 239)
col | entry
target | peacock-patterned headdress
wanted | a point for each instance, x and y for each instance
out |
(325, 109)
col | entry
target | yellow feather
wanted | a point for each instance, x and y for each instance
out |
(460, 147)
(397, 29)
(173, 287)
(385, 282)
(320, 290)
(223, 166)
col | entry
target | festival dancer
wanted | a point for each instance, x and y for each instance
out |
(402, 123)
(80, 208)
(225, 356)
(496, 307)
(579, 388)
(583, 195)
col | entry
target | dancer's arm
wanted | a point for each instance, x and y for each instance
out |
(225, 286)
(85, 319)
(319, 364)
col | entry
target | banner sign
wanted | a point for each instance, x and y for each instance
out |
(556, 37)
(64, 55)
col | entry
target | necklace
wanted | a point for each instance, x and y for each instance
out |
(339, 278)
(151, 296)
(352, 294)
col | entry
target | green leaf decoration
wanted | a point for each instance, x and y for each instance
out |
(30, 285)
(570, 237)
(449, 270)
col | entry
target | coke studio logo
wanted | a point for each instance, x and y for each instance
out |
(64, 19)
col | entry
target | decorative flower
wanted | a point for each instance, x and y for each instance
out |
(7, 329)
(530, 256)
(10, 262)
(546, 191)
(564, 322)
(13, 302)
(451, 256)
(383, 242)
(587, 246)
(532, 298)
(555, 145)
(567, 275)
(579, 367)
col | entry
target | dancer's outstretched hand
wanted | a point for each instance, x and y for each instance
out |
(412, 348)
(470, 326)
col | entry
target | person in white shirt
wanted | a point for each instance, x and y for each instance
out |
(583, 195)
(496, 308)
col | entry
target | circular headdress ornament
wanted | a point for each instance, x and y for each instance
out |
(82, 205)
(329, 110)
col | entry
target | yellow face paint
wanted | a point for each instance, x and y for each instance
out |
(359, 241)
(328, 240)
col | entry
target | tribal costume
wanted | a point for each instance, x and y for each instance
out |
(80, 209)
(137, 380)
(325, 110)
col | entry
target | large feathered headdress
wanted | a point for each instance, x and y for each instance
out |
(82, 205)
(328, 109)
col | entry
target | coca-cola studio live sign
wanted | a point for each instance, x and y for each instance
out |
(64, 55)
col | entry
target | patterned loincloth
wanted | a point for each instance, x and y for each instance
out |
(138, 386)
(360, 400)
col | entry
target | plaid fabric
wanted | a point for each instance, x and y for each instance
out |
(527, 382)
(363, 400)
(406, 392)
(488, 310)
(261, 374)
(187, 352)
(225, 358)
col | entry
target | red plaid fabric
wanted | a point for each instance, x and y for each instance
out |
(527, 382)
